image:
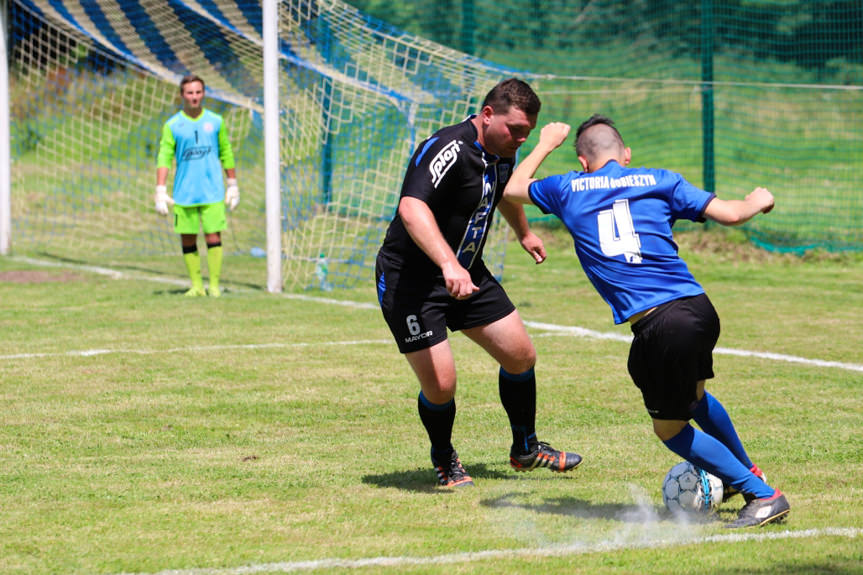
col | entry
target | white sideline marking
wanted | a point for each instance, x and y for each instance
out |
(92, 352)
(583, 332)
(531, 553)
(562, 329)
(557, 551)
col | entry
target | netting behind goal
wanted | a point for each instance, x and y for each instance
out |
(360, 96)
(92, 82)
(730, 94)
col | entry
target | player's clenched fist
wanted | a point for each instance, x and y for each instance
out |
(554, 134)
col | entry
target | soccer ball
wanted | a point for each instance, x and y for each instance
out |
(688, 489)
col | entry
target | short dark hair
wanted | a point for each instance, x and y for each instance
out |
(587, 147)
(189, 79)
(513, 92)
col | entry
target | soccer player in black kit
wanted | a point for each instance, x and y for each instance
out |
(430, 275)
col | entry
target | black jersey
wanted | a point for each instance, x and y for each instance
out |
(462, 183)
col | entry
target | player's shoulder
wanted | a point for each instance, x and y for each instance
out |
(447, 145)
(439, 156)
(174, 119)
(657, 173)
(210, 120)
(211, 115)
(463, 130)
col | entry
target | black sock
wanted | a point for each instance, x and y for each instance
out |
(438, 420)
(518, 395)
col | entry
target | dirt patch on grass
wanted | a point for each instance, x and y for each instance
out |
(36, 277)
(727, 245)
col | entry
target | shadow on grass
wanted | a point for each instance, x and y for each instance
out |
(424, 480)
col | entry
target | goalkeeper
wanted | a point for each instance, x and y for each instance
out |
(198, 139)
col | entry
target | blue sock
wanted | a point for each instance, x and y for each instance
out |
(711, 416)
(712, 456)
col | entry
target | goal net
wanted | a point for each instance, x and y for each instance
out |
(92, 82)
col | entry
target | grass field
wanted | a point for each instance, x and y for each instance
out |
(146, 433)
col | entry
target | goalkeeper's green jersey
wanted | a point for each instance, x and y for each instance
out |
(202, 149)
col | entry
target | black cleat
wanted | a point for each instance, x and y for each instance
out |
(544, 455)
(450, 472)
(758, 512)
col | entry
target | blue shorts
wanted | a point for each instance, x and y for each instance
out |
(419, 309)
(671, 352)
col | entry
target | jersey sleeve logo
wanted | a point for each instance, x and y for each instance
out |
(443, 161)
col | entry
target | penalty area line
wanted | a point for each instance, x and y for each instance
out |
(494, 554)
(196, 348)
(589, 333)
(548, 327)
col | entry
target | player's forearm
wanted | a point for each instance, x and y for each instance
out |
(422, 227)
(736, 212)
(514, 215)
(226, 152)
(551, 137)
(517, 189)
(161, 176)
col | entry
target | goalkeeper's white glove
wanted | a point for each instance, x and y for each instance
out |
(163, 200)
(232, 194)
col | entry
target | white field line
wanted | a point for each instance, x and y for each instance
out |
(521, 553)
(582, 332)
(454, 558)
(252, 346)
(548, 327)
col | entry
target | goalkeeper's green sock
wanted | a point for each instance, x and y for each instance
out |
(193, 266)
(214, 264)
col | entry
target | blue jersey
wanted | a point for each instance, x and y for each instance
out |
(202, 149)
(620, 219)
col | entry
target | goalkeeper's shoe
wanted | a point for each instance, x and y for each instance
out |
(728, 491)
(196, 292)
(758, 512)
(543, 455)
(214, 292)
(450, 471)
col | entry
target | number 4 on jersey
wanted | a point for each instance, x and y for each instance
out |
(617, 233)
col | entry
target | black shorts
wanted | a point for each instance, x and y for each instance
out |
(671, 352)
(418, 308)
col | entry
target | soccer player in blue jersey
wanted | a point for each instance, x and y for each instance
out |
(198, 139)
(430, 276)
(620, 219)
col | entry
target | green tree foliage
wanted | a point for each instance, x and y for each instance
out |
(812, 35)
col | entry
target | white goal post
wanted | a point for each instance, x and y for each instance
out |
(92, 81)
(5, 162)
